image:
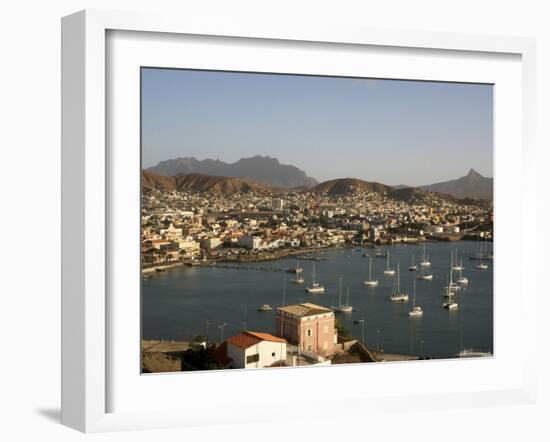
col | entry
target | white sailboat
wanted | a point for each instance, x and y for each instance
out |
(450, 304)
(343, 308)
(453, 286)
(462, 279)
(425, 261)
(371, 282)
(425, 276)
(299, 274)
(456, 266)
(481, 265)
(413, 267)
(388, 271)
(315, 287)
(398, 295)
(416, 310)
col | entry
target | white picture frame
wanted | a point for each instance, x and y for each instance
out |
(87, 355)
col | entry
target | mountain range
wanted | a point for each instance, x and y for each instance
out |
(266, 174)
(473, 185)
(258, 168)
(216, 185)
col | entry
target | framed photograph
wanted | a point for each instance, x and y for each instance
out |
(249, 209)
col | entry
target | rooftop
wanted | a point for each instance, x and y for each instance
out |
(305, 309)
(248, 339)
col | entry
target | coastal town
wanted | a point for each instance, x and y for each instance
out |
(187, 226)
(196, 228)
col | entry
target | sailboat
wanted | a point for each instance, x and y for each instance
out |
(457, 267)
(425, 261)
(413, 267)
(315, 287)
(481, 265)
(371, 282)
(343, 308)
(388, 271)
(450, 304)
(425, 276)
(299, 277)
(397, 295)
(416, 310)
(462, 279)
(453, 286)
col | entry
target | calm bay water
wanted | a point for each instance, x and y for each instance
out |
(188, 301)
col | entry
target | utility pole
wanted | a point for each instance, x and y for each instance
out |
(221, 327)
(363, 324)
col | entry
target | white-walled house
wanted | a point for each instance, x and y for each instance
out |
(255, 350)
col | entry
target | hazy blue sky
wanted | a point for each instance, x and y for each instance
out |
(395, 132)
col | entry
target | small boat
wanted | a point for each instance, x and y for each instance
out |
(299, 278)
(388, 271)
(265, 308)
(425, 261)
(425, 276)
(416, 310)
(371, 282)
(413, 267)
(342, 308)
(481, 265)
(380, 254)
(462, 280)
(398, 295)
(450, 304)
(315, 287)
(455, 266)
(358, 321)
(452, 286)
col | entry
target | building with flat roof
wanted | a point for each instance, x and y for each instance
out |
(309, 326)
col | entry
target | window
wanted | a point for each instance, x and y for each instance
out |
(309, 332)
(309, 348)
(252, 358)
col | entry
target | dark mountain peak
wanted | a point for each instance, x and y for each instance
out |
(473, 185)
(259, 168)
(474, 174)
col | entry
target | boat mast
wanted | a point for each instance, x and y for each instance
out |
(397, 277)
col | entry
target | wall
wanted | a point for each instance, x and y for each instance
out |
(30, 182)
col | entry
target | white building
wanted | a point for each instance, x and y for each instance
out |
(277, 203)
(255, 350)
(250, 242)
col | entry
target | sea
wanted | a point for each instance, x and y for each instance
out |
(221, 301)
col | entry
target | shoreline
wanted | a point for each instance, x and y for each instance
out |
(272, 256)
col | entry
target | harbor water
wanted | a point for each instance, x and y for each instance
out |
(184, 302)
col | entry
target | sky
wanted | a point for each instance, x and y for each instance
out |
(390, 131)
